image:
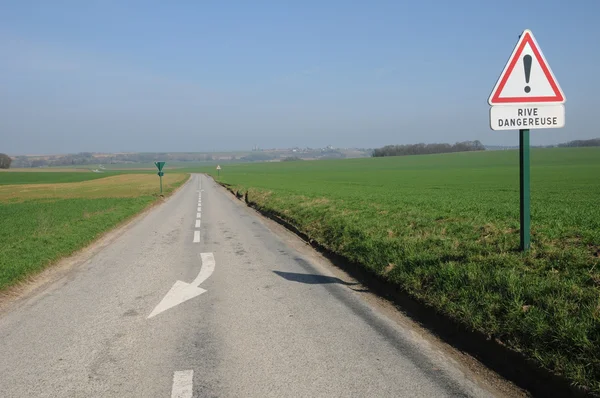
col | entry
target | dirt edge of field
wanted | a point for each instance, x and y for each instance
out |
(507, 363)
(58, 269)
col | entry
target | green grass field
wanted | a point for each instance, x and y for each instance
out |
(43, 222)
(446, 229)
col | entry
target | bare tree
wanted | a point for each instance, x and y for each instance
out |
(5, 161)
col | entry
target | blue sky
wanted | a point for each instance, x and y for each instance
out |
(226, 75)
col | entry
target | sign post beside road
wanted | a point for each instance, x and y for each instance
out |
(526, 95)
(218, 170)
(159, 166)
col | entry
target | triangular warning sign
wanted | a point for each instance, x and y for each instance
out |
(527, 77)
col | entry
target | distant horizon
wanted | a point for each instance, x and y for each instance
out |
(533, 144)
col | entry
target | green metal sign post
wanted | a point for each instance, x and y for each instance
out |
(524, 189)
(526, 96)
(159, 166)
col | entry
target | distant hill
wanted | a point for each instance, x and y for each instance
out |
(132, 158)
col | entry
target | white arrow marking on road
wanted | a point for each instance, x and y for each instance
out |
(182, 291)
(179, 293)
(183, 384)
(208, 267)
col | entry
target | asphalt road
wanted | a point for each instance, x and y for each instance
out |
(236, 311)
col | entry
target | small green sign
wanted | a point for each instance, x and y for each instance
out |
(159, 165)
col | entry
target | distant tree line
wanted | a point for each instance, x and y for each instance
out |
(5, 161)
(427, 149)
(580, 143)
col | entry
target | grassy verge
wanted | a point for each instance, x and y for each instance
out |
(42, 223)
(445, 229)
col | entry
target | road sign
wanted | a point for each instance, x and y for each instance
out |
(536, 116)
(218, 167)
(526, 96)
(218, 170)
(159, 165)
(527, 77)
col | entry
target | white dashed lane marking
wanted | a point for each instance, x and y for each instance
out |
(183, 384)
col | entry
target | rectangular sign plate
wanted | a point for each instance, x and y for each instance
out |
(534, 116)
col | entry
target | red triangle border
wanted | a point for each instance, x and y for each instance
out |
(558, 97)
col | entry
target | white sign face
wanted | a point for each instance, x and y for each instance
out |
(218, 167)
(527, 77)
(534, 116)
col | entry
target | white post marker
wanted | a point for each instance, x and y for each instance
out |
(182, 291)
(527, 95)
(183, 384)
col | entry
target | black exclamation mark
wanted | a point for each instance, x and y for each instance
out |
(527, 64)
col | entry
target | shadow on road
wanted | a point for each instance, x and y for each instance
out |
(311, 279)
